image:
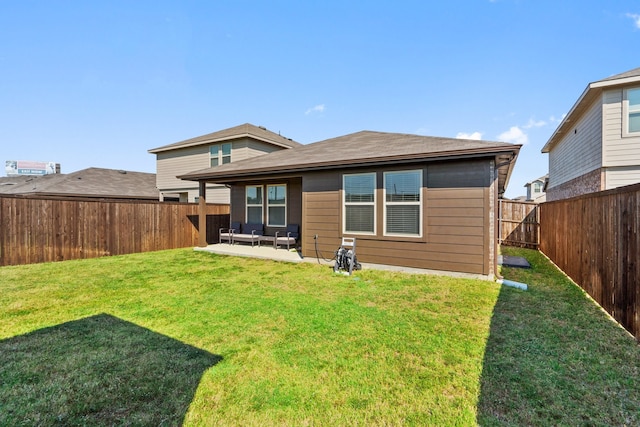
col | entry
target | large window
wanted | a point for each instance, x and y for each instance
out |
(403, 205)
(254, 204)
(359, 203)
(277, 205)
(633, 110)
(220, 154)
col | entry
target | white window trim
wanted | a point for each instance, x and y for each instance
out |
(266, 197)
(247, 205)
(626, 111)
(418, 203)
(373, 203)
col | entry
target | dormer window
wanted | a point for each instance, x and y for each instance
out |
(633, 97)
(220, 154)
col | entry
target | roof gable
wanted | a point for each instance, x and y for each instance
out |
(242, 131)
(590, 94)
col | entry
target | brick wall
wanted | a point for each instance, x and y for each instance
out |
(590, 182)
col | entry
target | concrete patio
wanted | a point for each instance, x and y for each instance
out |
(268, 252)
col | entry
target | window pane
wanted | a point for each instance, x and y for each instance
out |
(277, 194)
(226, 159)
(254, 195)
(277, 216)
(402, 186)
(213, 150)
(359, 218)
(359, 188)
(226, 149)
(634, 122)
(403, 219)
(254, 215)
(214, 161)
(633, 96)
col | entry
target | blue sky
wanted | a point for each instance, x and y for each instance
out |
(86, 83)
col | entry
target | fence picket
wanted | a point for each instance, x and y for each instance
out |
(595, 240)
(40, 229)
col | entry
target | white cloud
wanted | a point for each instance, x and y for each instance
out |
(534, 124)
(635, 17)
(317, 109)
(514, 135)
(555, 120)
(464, 135)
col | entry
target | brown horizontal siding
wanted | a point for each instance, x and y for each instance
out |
(446, 239)
(421, 255)
(377, 245)
(449, 212)
(321, 217)
(456, 232)
(456, 221)
(455, 225)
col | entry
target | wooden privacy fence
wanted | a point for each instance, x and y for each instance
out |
(595, 240)
(38, 229)
(519, 224)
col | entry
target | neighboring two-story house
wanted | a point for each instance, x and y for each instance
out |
(217, 148)
(597, 145)
(535, 190)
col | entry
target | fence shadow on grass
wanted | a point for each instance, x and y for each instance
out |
(100, 370)
(554, 358)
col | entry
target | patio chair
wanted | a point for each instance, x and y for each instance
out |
(288, 237)
(249, 233)
(227, 233)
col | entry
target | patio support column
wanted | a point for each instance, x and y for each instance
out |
(202, 214)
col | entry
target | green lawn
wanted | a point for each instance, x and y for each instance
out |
(180, 336)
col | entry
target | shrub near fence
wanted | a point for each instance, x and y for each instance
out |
(39, 229)
(595, 240)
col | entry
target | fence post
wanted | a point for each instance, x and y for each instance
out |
(202, 214)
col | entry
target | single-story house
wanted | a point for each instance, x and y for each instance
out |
(409, 200)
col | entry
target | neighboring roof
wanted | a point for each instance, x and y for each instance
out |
(592, 91)
(542, 179)
(246, 130)
(365, 148)
(91, 182)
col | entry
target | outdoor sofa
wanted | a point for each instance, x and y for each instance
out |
(254, 233)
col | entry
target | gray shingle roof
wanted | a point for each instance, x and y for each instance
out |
(360, 148)
(245, 130)
(365, 148)
(631, 73)
(91, 182)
